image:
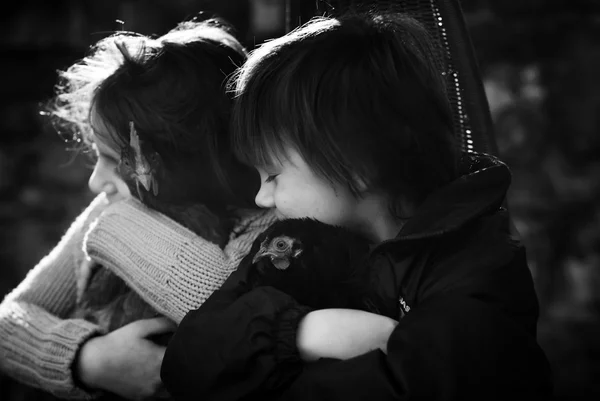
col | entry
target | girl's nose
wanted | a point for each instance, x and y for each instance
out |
(264, 197)
(101, 181)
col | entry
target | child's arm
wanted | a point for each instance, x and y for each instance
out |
(38, 343)
(172, 268)
(342, 334)
(273, 336)
(451, 346)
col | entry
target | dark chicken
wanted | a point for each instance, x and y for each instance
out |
(319, 265)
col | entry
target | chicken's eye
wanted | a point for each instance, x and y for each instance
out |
(280, 245)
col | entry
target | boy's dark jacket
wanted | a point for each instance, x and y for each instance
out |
(458, 282)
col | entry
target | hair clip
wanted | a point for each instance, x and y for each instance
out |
(135, 165)
(125, 52)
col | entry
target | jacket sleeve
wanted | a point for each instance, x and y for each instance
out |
(471, 335)
(235, 347)
(452, 346)
(38, 342)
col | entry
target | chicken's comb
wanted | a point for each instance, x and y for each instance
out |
(134, 139)
(140, 163)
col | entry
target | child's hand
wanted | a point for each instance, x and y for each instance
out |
(342, 333)
(124, 361)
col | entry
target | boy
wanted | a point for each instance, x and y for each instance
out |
(347, 121)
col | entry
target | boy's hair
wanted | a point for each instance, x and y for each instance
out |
(359, 97)
(173, 90)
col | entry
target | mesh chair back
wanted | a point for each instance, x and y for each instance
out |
(445, 22)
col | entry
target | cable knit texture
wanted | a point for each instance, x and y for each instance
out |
(38, 341)
(171, 268)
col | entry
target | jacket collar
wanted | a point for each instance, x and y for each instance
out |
(481, 187)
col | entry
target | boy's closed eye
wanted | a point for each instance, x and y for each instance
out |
(268, 172)
(271, 178)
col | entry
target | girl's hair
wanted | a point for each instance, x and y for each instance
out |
(172, 88)
(358, 97)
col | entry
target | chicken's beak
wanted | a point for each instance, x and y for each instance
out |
(262, 252)
(145, 180)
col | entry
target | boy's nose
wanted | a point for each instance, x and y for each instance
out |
(264, 197)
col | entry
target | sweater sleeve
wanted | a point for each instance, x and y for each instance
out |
(38, 343)
(172, 268)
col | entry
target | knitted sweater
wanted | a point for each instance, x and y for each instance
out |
(170, 267)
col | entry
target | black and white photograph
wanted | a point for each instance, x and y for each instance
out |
(300, 200)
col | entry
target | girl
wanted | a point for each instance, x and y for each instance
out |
(347, 122)
(155, 112)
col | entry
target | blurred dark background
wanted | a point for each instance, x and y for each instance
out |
(540, 63)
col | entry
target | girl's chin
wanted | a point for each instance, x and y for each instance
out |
(114, 198)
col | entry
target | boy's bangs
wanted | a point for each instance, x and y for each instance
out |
(261, 134)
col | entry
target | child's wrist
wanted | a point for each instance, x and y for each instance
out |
(342, 334)
(304, 338)
(87, 364)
